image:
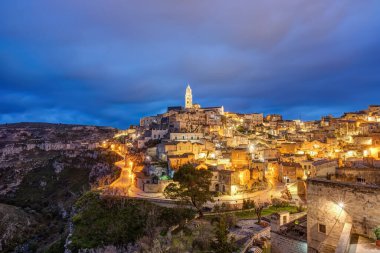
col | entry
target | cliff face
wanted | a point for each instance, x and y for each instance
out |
(15, 138)
(44, 168)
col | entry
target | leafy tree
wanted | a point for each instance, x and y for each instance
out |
(223, 244)
(192, 186)
(241, 129)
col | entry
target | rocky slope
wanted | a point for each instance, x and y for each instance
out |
(44, 168)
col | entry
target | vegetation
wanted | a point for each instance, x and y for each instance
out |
(114, 221)
(48, 195)
(251, 214)
(258, 207)
(241, 129)
(248, 204)
(192, 186)
(222, 243)
(277, 203)
(376, 231)
(13, 217)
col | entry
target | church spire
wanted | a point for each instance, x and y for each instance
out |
(188, 97)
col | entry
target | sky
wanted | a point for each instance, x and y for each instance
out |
(111, 62)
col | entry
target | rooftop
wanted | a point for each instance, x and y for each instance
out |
(296, 229)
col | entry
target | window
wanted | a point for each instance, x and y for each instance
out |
(322, 228)
(284, 220)
(360, 179)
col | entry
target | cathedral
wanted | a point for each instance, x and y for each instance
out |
(189, 102)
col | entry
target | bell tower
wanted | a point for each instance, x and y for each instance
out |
(188, 98)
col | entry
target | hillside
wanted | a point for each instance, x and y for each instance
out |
(41, 183)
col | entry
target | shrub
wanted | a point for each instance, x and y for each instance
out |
(216, 208)
(111, 221)
(248, 204)
(376, 231)
(277, 203)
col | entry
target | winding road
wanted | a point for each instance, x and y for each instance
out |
(123, 186)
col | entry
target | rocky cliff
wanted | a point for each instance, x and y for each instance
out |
(44, 168)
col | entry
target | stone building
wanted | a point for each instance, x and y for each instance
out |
(338, 211)
(176, 161)
(288, 172)
(288, 233)
(240, 158)
(186, 136)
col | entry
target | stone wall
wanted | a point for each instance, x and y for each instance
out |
(335, 203)
(264, 233)
(282, 244)
(369, 175)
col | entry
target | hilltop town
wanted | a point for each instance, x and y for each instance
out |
(330, 167)
(193, 179)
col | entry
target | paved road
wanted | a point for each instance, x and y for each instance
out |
(123, 187)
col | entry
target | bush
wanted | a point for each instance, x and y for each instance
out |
(112, 221)
(300, 208)
(277, 203)
(226, 207)
(231, 220)
(376, 231)
(248, 204)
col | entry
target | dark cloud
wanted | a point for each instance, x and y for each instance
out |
(111, 62)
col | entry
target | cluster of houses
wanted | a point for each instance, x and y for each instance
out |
(334, 162)
(244, 149)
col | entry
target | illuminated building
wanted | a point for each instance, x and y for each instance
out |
(188, 98)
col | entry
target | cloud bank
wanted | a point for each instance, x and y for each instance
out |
(111, 62)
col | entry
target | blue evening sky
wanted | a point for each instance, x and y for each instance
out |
(111, 62)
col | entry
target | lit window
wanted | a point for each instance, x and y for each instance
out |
(322, 228)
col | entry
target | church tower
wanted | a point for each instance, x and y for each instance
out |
(188, 98)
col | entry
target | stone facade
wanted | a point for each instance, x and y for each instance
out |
(331, 205)
(286, 235)
(282, 244)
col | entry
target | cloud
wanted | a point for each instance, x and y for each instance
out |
(109, 63)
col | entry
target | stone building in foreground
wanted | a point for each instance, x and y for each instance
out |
(340, 213)
(288, 233)
(340, 218)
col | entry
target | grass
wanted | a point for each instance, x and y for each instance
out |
(250, 214)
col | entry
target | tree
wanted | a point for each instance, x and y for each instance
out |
(258, 207)
(223, 244)
(192, 186)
